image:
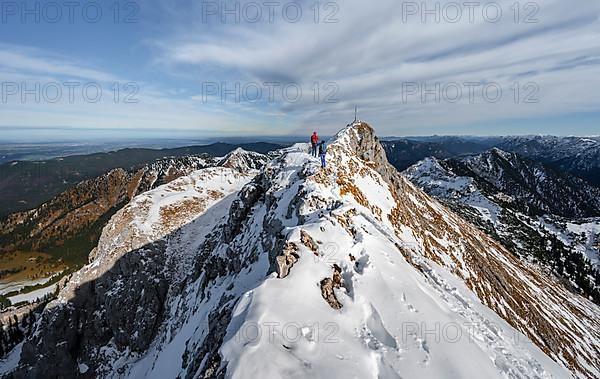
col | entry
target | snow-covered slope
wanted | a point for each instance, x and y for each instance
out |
(441, 183)
(159, 213)
(577, 155)
(528, 207)
(524, 184)
(243, 160)
(349, 271)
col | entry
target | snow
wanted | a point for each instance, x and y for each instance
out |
(441, 183)
(570, 233)
(189, 197)
(403, 315)
(33, 295)
(11, 360)
(395, 322)
(382, 331)
(83, 368)
(19, 285)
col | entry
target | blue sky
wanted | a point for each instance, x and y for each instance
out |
(381, 57)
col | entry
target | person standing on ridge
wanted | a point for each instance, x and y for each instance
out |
(322, 152)
(314, 140)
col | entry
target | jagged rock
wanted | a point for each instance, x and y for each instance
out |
(217, 273)
(242, 207)
(210, 365)
(68, 333)
(328, 285)
(287, 259)
(244, 161)
(308, 241)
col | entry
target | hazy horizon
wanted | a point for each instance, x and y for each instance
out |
(160, 143)
(206, 69)
(98, 135)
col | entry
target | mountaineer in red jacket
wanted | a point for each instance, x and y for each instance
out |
(314, 140)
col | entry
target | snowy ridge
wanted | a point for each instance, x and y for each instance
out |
(440, 183)
(302, 272)
(505, 195)
(573, 153)
(243, 160)
(155, 214)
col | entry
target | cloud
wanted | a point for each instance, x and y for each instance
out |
(367, 58)
(33, 61)
(44, 90)
(372, 52)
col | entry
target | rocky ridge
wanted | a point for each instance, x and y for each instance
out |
(354, 253)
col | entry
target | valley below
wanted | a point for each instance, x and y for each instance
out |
(126, 272)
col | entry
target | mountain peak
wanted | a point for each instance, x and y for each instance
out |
(329, 266)
(243, 160)
(359, 139)
(501, 153)
(358, 133)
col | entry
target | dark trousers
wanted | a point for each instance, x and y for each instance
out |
(314, 150)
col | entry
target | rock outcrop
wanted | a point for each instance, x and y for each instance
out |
(76, 217)
(222, 296)
(328, 285)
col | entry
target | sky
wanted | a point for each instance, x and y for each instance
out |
(87, 70)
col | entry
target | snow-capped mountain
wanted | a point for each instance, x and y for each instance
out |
(74, 218)
(540, 214)
(520, 183)
(578, 155)
(539, 188)
(291, 271)
(243, 160)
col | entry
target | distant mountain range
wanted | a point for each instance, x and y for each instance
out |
(68, 226)
(545, 216)
(269, 268)
(579, 156)
(26, 185)
(169, 252)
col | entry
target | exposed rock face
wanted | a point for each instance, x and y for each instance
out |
(243, 160)
(525, 206)
(286, 260)
(81, 212)
(388, 243)
(328, 285)
(307, 241)
(72, 332)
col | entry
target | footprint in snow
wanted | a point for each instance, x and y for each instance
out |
(385, 370)
(409, 306)
(425, 349)
(376, 334)
(361, 264)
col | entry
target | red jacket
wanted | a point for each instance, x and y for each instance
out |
(314, 139)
